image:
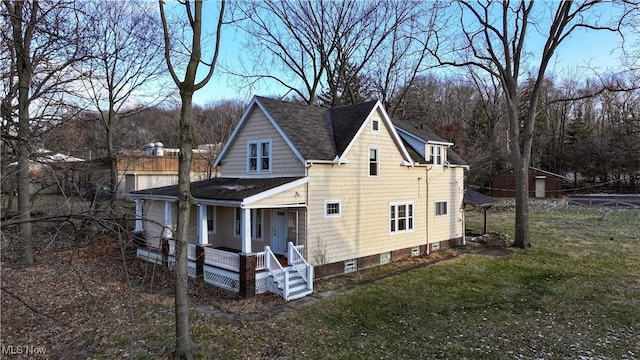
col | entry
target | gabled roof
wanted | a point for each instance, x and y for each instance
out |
(314, 133)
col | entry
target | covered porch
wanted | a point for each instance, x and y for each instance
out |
(244, 235)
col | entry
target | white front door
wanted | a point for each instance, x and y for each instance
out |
(279, 232)
(540, 189)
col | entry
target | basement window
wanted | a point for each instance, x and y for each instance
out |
(350, 265)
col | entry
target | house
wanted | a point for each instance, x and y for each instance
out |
(154, 166)
(542, 184)
(49, 173)
(308, 192)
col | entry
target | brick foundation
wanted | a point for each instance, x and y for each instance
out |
(247, 276)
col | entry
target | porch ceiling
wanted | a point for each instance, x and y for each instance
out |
(221, 189)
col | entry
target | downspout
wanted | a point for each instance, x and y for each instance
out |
(426, 209)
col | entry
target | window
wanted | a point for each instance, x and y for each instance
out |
(332, 208)
(374, 162)
(259, 156)
(256, 223)
(375, 126)
(211, 219)
(435, 154)
(237, 221)
(400, 217)
(441, 208)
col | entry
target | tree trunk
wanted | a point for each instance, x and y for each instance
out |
(23, 178)
(184, 345)
(113, 161)
(521, 173)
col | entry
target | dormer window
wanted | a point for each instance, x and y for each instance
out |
(259, 156)
(436, 154)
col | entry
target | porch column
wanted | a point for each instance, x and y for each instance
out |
(246, 231)
(167, 231)
(138, 223)
(203, 231)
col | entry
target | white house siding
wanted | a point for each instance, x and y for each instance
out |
(445, 184)
(153, 213)
(258, 127)
(363, 228)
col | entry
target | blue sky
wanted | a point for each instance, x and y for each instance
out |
(585, 53)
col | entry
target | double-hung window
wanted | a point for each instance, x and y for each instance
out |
(436, 154)
(400, 217)
(374, 162)
(211, 219)
(257, 221)
(259, 156)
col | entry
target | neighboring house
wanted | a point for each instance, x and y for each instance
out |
(143, 169)
(542, 184)
(309, 191)
(49, 173)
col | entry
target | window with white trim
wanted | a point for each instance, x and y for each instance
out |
(256, 224)
(374, 162)
(375, 126)
(259, 156)
(436, 154)
(400, 217)
(257, 216)
(441, 208)
(211, 219)
(332, 208)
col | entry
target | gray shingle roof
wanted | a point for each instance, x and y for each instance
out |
(420, 130)
(318, 133)
(225, 189)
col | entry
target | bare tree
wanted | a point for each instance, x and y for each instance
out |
(187, 85)
(44, 41)
(126, 64)
(342, 49)
(496, 39)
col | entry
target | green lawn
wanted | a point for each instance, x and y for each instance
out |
(574, 294)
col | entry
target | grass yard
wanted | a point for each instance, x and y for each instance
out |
(574, 295)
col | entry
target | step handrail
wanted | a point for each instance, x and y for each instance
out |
(280, 276)
(300, 264)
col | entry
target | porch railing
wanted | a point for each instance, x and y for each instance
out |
(260, 261)
(191, 250)
(280, 277)
(298, 262)
(222, 259)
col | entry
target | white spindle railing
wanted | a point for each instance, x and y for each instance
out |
(280, 276)
(222, 259)
(299, 263)
(260, 261)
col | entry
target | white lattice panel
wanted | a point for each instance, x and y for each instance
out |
(171, 262)
(262, 283)
(191, 269)
(220, 278)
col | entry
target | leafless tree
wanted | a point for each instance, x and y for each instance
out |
(44, 41)
(188, 85)
(335, 47)
(497, 38)
(126, 65)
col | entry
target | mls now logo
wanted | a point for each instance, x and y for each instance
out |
(23, 350)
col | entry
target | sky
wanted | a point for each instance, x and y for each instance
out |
(584, 52)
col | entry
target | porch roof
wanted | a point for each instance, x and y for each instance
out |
(219, 189)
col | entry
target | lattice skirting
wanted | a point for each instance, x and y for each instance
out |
(150, 256)
(191, 269)
(222, 278)
(262, 282)
(171, 262)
